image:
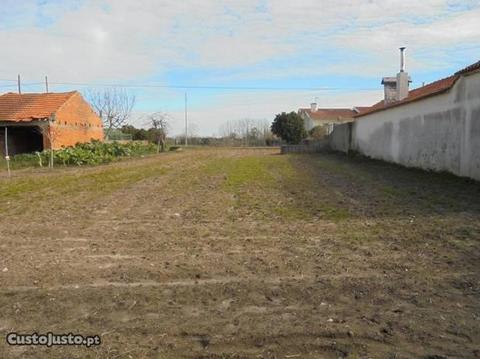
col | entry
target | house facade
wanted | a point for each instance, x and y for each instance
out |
(326, 117)
(35, 122)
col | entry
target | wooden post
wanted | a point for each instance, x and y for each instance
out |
(186, 121)
(51, 136)
(7, 157)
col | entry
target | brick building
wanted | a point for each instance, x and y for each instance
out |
(35, 122)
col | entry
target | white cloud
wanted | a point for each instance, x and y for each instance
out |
(132, 41)
(265, 106)
(120, 39)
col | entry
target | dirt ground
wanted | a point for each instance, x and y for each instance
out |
(242, 253)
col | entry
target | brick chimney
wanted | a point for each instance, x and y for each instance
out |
(389, 89)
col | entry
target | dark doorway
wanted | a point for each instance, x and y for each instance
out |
(21, 139)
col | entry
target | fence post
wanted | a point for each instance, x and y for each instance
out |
(7, 157)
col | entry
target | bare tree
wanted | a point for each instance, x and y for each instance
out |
(159, 121)
(113, 105)
(246, 131)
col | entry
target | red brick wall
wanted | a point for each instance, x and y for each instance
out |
(75, 122)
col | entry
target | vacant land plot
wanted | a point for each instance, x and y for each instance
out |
(241, 253)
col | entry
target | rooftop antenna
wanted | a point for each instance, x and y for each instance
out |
(18, 83)
(46, 84)
(402, 59)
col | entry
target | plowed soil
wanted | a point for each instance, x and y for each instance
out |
(242, 253)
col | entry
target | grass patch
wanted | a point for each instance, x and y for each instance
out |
(86, 184)
(274, 186)
(241, 172)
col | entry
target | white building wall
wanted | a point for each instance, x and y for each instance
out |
(308, 124)
(440, 133)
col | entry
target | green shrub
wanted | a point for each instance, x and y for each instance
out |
(92, 153)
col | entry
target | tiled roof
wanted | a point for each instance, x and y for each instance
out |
(361, 109)
(329, 113)
(470, 68)
(414, 95)
(431, 89)
(31, 106)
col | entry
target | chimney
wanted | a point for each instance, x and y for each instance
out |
(389, 89)
(313, 107)
(402, 59)
(403, 79)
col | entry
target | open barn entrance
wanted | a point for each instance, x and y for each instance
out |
(21, 139)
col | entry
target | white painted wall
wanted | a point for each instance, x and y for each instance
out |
(440, 133)
(308, 124)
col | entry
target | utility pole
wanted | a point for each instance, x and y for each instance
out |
(46, 84)
(186, 121)
(18, 83)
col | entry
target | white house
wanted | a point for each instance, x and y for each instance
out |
(326, 117)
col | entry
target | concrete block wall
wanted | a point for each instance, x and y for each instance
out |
(341, 137)
(440, 133)
(316, 146)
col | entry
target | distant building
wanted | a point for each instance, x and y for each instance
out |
(38, 121)
(327, 117)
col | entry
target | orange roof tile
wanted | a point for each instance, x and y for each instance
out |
(329, 113)
(431, 89)
(361, 109)
(31, 106)
(470, 68)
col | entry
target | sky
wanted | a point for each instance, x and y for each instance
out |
(234, 59)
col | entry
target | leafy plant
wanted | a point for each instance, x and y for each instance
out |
(92, 153)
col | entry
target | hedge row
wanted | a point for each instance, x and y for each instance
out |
(92, 153)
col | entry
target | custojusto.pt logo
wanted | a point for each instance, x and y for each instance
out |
(50, 339)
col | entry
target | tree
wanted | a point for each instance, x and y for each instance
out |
(248, 132)
(50, 132)
(138, 134)
(318, 132)
(159, 128)
(113, 105)
(289, 127)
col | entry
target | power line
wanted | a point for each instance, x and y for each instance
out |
(211, 87)
(193, 87)
(23, 84)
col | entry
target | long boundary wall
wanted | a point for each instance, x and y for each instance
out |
(440, 133)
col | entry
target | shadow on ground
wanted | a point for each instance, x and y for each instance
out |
(375, 188)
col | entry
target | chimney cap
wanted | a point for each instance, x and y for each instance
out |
(402, 58)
